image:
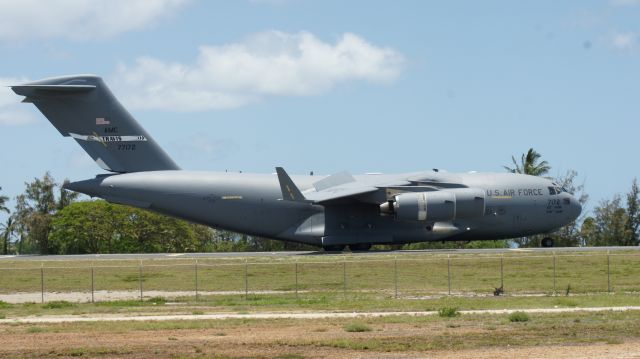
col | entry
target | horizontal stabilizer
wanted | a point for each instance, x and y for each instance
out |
(42, 90)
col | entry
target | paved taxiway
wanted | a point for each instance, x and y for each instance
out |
(310, 253)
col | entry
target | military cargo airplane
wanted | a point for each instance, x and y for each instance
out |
(326, 211)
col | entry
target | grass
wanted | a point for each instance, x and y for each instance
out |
(370, 286)
(157, 300)
(518, 317)
(59, 304)
(35, 330)
(392, 335)
(319, 302)
(418, 274)
(357, 327)
(479, 331)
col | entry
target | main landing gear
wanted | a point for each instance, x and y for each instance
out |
(547, 242)
(360, 247)
(336, 248)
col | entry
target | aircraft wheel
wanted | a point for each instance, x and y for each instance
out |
(547, 242)
(336, 248)
(360, 247)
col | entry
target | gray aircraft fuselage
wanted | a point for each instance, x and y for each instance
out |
(515, 205)
(328, 211)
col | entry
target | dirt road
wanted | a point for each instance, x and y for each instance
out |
(282, 315)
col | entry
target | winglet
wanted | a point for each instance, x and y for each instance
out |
(290, 191)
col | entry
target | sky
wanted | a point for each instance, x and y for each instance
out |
(327, 86)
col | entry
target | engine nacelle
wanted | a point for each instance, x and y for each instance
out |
(435, 206)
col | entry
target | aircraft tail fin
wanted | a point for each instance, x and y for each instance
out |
(83, 107)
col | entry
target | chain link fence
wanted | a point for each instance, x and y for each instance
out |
(394, 277)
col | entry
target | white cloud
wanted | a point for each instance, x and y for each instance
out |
(78, 19)
(270, 63)
(12, 112)
(624, 40)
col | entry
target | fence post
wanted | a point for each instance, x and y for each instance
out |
(196, 273)
(449, 272)
(42, 282)
(296, 269)
(246, 279)
(395, 274)
(92, 285)
(502, 272)
(140, 280)
(608, 273)
(554, 274)
(344, 278)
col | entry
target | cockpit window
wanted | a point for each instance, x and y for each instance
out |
(555, 189)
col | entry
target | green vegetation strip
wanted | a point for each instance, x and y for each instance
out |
(330, 303)
(412, 274)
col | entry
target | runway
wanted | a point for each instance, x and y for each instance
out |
(143, 256)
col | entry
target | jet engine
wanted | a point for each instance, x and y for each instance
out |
(435, 206)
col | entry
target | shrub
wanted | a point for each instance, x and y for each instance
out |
(448, 312)
(518, 317)
(58, 304)
(157, 300)
(357, 328)
(35, 330)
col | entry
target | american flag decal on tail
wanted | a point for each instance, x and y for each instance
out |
(102, 121)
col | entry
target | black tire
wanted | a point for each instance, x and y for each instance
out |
(547, 242)
(336, 248)
(363, 247)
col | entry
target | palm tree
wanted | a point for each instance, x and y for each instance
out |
(528, 164)
(7, 229)
(3, 200)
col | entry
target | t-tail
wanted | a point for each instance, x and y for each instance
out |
(83, 107)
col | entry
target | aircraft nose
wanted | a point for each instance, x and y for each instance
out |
(575, 208)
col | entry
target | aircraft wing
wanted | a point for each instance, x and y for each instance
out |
(340, 191)
(339, 186)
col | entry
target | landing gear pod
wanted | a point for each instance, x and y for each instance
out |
(435, 206)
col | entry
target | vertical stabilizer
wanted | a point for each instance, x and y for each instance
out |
(84, 108)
